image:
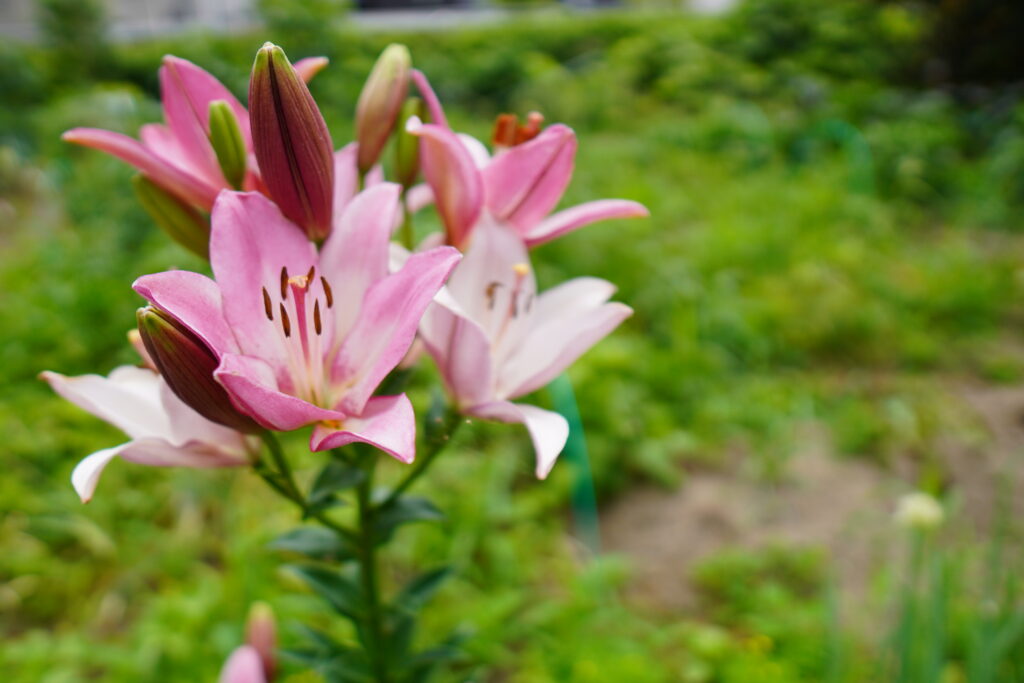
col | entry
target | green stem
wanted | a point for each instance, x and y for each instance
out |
(368, 572)
(451, 423)
(283, 481)
(407, 233)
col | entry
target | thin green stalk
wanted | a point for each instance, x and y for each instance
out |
(368, 573)
(452, 421)
(408, 239)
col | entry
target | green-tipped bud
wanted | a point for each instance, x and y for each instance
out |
(379, 103)
(187, 364)
(184, 224)
(228, 144)
(261, 635)
(407, 145)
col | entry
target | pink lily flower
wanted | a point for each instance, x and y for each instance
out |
(178, 155)
(495, 339)
(518, 186)
(305, 337)
(163, 431)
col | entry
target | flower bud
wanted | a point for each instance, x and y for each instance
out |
(184, 224)
(261, 635)
(379, 103)
(407, 145)
(228, 144)
(292, 145)
(187, 364)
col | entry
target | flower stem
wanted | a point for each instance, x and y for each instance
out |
(449, 424)
(407, 233)
(368, 571)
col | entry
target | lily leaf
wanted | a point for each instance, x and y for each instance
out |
(404, 510)
(336, 476)
(418, 591)
(342, 592)
(315, 542)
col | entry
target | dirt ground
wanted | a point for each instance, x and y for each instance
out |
(842, 505)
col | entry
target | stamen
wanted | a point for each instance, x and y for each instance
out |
(491, 291)
(309, 275)
(267, 306)
(286, 323)
(316, 316)
(327, 291)
(284, 283)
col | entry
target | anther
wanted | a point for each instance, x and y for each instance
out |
(316, 316)
(267, 306)
(490, 292)
(284, 282)
(327, 292)
(286, 324)
(309, 275)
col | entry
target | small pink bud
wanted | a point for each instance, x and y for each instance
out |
(261, 634)
(293, 147)
(380, 102)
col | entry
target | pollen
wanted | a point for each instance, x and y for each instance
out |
(521, 269)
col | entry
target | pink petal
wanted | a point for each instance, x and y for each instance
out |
(253, 387)
(310, 66)
(346, 178)
(387, 423)
(462, 353)
(192, 299)
(250, 242)
(387, 324)
(548, 430)
(418, 197)
(161, 142)
(523, 184)
(552, 347)
(453, 177)
(429, 98)
(190, 188)
(129, 399)
(355, 255)
(243, 666)
(584, 214)
(477, 150)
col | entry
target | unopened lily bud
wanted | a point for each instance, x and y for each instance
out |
(261, 635)
(380, 102)
(228, 144)
(187, 364)
(292, 145)
(184, 224)
(407, 145)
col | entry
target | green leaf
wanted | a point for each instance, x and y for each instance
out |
(315, 542)
(404, 510)
(342, 592)
(336, 476)
(418, 591)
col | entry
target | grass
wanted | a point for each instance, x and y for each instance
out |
(821, 248)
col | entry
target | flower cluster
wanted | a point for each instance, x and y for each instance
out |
(312, 303)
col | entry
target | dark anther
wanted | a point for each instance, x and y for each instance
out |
(284, 282)
(267, 306)
(491, 291)
(316, 316)
(327, 292)
(286, 324)
(309, 275)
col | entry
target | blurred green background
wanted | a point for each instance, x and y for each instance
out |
(828, 315)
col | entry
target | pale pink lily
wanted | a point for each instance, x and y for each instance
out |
(518, 186)
(494, 339)
(177, 155)
(163, 431)
(305, 337)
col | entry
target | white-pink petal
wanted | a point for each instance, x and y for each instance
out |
(578, 216)
(548, 430)
(387, 423)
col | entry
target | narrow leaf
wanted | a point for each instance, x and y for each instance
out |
(337, 589)
(314, 542)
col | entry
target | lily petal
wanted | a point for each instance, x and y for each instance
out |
(387, 324)
(190, 188)
(355, 255)
(552, 346)
(523, 184)
(193, 300)
(548, 430)
(184, 89)
(462, 353)
(250, 243)
(429, 98)
(129, 399)
(387, 423)
(253, 386)
(452, 175)
(575, 217)
(310, 66)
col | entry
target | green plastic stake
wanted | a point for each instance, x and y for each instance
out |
(584, 498)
